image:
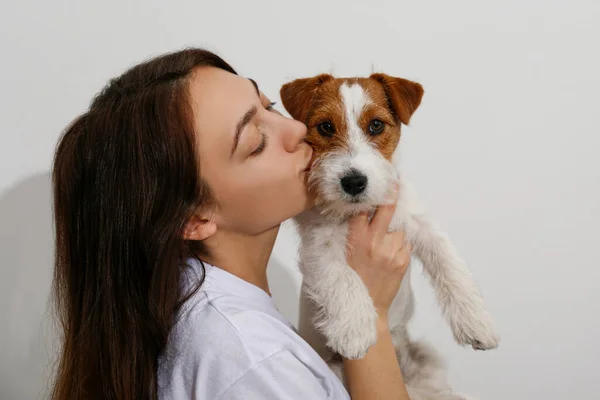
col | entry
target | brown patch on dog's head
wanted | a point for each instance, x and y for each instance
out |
(318, 103)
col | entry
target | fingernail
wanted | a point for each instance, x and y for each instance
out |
(390, 196)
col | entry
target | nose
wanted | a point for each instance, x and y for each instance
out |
(354, 182)
(295, 133)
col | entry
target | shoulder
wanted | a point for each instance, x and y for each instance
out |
(281, 376)
(228, 308)
(248, 326)
(222, 345)
(203, 344)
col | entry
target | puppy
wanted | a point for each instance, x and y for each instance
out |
(354, 126)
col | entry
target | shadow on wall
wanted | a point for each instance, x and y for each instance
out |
(26, 260)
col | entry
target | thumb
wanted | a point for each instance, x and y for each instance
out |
(358, 222)
(357, 227)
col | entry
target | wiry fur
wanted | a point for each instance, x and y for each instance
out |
(337, 315)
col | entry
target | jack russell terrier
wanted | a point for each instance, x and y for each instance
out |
(354, 127)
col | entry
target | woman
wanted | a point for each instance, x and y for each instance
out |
(168, 196)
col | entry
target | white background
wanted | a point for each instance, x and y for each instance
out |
(503, 151)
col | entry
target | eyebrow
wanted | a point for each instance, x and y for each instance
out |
(245, 120)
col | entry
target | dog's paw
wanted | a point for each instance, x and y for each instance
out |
(489, 344)
(351, 333)
(476, 331)
(353, 343)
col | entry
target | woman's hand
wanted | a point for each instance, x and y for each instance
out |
(378, 257)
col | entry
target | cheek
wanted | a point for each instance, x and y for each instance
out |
(268, 185)
(265, 199)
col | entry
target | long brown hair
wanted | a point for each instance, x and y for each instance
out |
(125, 180)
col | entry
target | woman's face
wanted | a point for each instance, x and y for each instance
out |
(252, 157)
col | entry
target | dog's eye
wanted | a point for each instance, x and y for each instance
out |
(376, 127)
(326, 129)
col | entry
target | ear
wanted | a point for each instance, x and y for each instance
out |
(405, 96)
(296, 96)
(198, 228)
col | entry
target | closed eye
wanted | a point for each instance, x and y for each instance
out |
(261, 146)
(265, 137)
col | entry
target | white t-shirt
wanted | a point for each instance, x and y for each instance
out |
(231, 343)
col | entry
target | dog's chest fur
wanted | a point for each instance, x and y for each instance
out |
(324, 243)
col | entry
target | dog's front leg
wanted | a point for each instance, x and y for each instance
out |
(345, 315)
(453, 283)
(454, 286)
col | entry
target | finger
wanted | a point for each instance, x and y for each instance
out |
(383, 215)
(403, 257)
(406, 255)
(358, 222)
(399, 239)
(407, 250)
(357, 225)
(392, 196)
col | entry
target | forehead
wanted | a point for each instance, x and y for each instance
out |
(218, 98)
(213, 88)
(335, 89)
(349, 95)
(350, 104)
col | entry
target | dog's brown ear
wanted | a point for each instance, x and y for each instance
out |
(405, 96)
(296, 96)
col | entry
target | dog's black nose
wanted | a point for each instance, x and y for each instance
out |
(354, 182)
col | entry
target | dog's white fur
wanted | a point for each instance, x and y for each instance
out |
(337, 314)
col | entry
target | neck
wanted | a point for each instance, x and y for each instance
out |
(244, 256)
